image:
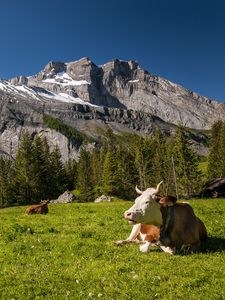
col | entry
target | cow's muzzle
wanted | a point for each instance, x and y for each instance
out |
(128, 216)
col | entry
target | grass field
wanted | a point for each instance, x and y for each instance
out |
(69, 254)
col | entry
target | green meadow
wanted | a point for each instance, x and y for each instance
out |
(69, 254)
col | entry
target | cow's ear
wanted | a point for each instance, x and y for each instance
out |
(167, 201)
(156, 198)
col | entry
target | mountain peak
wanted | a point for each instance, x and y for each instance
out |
(124, 84)
(118, 95)
(55, 67)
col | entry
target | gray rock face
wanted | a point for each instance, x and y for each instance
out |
(20, 80)
(54, 67)
(121, 84)
(138, 90)
(117, 95)
(20, 115)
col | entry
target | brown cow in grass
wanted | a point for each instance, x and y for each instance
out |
(179, 228)
(41, 208)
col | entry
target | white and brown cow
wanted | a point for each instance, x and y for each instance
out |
(146, 234)
(179, 227)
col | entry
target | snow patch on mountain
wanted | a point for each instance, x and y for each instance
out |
(26, 91)
(133, 81)
(64, 79)
(63, 97)
(21, 90)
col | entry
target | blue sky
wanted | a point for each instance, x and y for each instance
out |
(181, 40)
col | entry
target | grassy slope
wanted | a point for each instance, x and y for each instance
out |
(69, 254)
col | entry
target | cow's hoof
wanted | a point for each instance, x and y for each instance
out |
(145, 248)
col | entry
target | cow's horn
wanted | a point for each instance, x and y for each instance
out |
(157, 189)
(138, 191)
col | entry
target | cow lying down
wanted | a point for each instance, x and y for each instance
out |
(174, 226)
(41, 208)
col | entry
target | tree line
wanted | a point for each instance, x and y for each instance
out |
(216, 158)
(37, 173)
(113, 167)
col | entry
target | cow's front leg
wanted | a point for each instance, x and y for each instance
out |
(145, 247)
(132, 238)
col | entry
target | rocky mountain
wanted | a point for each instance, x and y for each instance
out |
(119, 94)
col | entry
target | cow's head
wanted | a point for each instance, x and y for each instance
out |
(146, 209)
(45, 201)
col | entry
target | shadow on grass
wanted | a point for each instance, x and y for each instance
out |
(213, 244)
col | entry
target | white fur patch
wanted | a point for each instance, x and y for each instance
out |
(145, 247)
(167, 250)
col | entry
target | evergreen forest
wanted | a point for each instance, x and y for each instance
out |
(113, 167)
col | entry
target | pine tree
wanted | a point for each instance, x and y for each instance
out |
(169, 186)
(48, 179)
(23, 181)
(222, 152)
(40, 169)
(189, 178)
(126, 173)
(161, 161)
(144, 156)
(6, 176)
(71, 174)
(215, 151)
(97, 169)
(84, 177)
(110, 170)
(109, 176)
(57, 174)
(140, 162)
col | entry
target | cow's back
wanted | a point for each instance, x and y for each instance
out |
(185, 229)
(42, 209)
(38, 209)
